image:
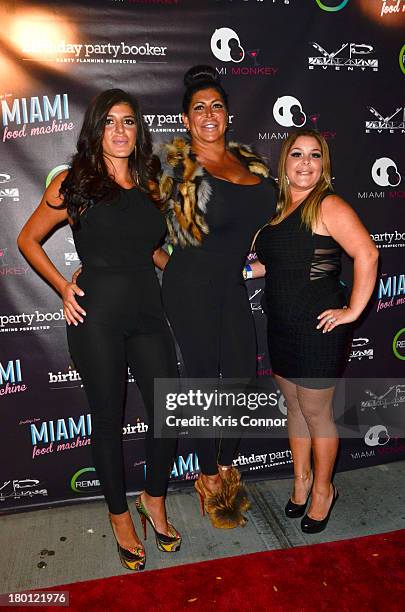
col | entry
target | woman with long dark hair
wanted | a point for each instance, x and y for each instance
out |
(118, 319)
(217, 195)
(310, 318)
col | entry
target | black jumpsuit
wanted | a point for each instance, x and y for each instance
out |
(205, 298)
(125, 324)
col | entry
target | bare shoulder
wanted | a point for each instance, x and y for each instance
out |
(334, 206)
(334, 202)
(51, 194)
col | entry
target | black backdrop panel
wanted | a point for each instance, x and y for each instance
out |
(336, 66)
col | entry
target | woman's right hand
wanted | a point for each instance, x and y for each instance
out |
(73, 312)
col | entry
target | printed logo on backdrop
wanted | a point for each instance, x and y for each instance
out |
(390, 291)
(8, 193)
(169, 123)
(393, 396)
(288, 112)
(377, 436)
(349, 56)
(388, 124)
(48, 437)
(54, 172)
(226, 46)
(21, 489)
(31, 321)
(11, 378)
(254, 299)
(390, 7)
(85, 481)
(402, 59)
(185, 468)
(398, 344)
(385, 173)
(61, 380)
(389, 240)
(67, 433)
(71, 257)
(21, 116)
(331, 6)
(361, 349)
(265, 460)
(7, 267)
(64, 52)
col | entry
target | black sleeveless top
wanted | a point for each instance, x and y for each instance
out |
(121, 233)
(234, 214)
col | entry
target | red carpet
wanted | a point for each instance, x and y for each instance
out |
(360, 574)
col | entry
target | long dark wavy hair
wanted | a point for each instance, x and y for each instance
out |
(88, 180)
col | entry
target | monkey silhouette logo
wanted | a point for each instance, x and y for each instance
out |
(288, 112)
(226, 47)
(385, 172)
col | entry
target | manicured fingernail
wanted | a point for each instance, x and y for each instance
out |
(84, 313)
(76, 323)
(318, 326)
(81, 294)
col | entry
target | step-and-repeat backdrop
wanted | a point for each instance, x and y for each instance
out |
(337, 66)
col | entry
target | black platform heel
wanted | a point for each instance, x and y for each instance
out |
(309, 525)
(293, 510)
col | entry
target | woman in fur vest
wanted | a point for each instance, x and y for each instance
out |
(217, 195)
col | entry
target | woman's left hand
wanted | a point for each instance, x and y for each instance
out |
(331, 318)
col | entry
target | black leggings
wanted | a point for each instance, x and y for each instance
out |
(125, 324)
(208, 308)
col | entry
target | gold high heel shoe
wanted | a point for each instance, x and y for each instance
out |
(222, 507)
(133, 559)
(164, 543)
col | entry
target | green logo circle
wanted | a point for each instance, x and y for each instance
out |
(402, 59)
(54, 172)
(76, 476)
(394, 344)
(332, 9)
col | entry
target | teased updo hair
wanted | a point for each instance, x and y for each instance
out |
(202, 77)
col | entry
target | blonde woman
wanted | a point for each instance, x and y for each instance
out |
(310, 318)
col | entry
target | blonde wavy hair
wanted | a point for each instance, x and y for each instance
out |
(311, 209)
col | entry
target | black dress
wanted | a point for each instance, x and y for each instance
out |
(205, 297)
(302, 280)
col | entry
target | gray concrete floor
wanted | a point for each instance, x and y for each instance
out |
(371, 501)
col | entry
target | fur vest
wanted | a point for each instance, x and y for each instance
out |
(185, 189)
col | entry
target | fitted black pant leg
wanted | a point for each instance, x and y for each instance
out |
(152, 355)
(238, 353)
(98, 352)
(194, 314)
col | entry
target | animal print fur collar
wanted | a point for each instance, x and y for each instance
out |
(185, 188)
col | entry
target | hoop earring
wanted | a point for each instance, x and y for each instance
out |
(287, 179)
